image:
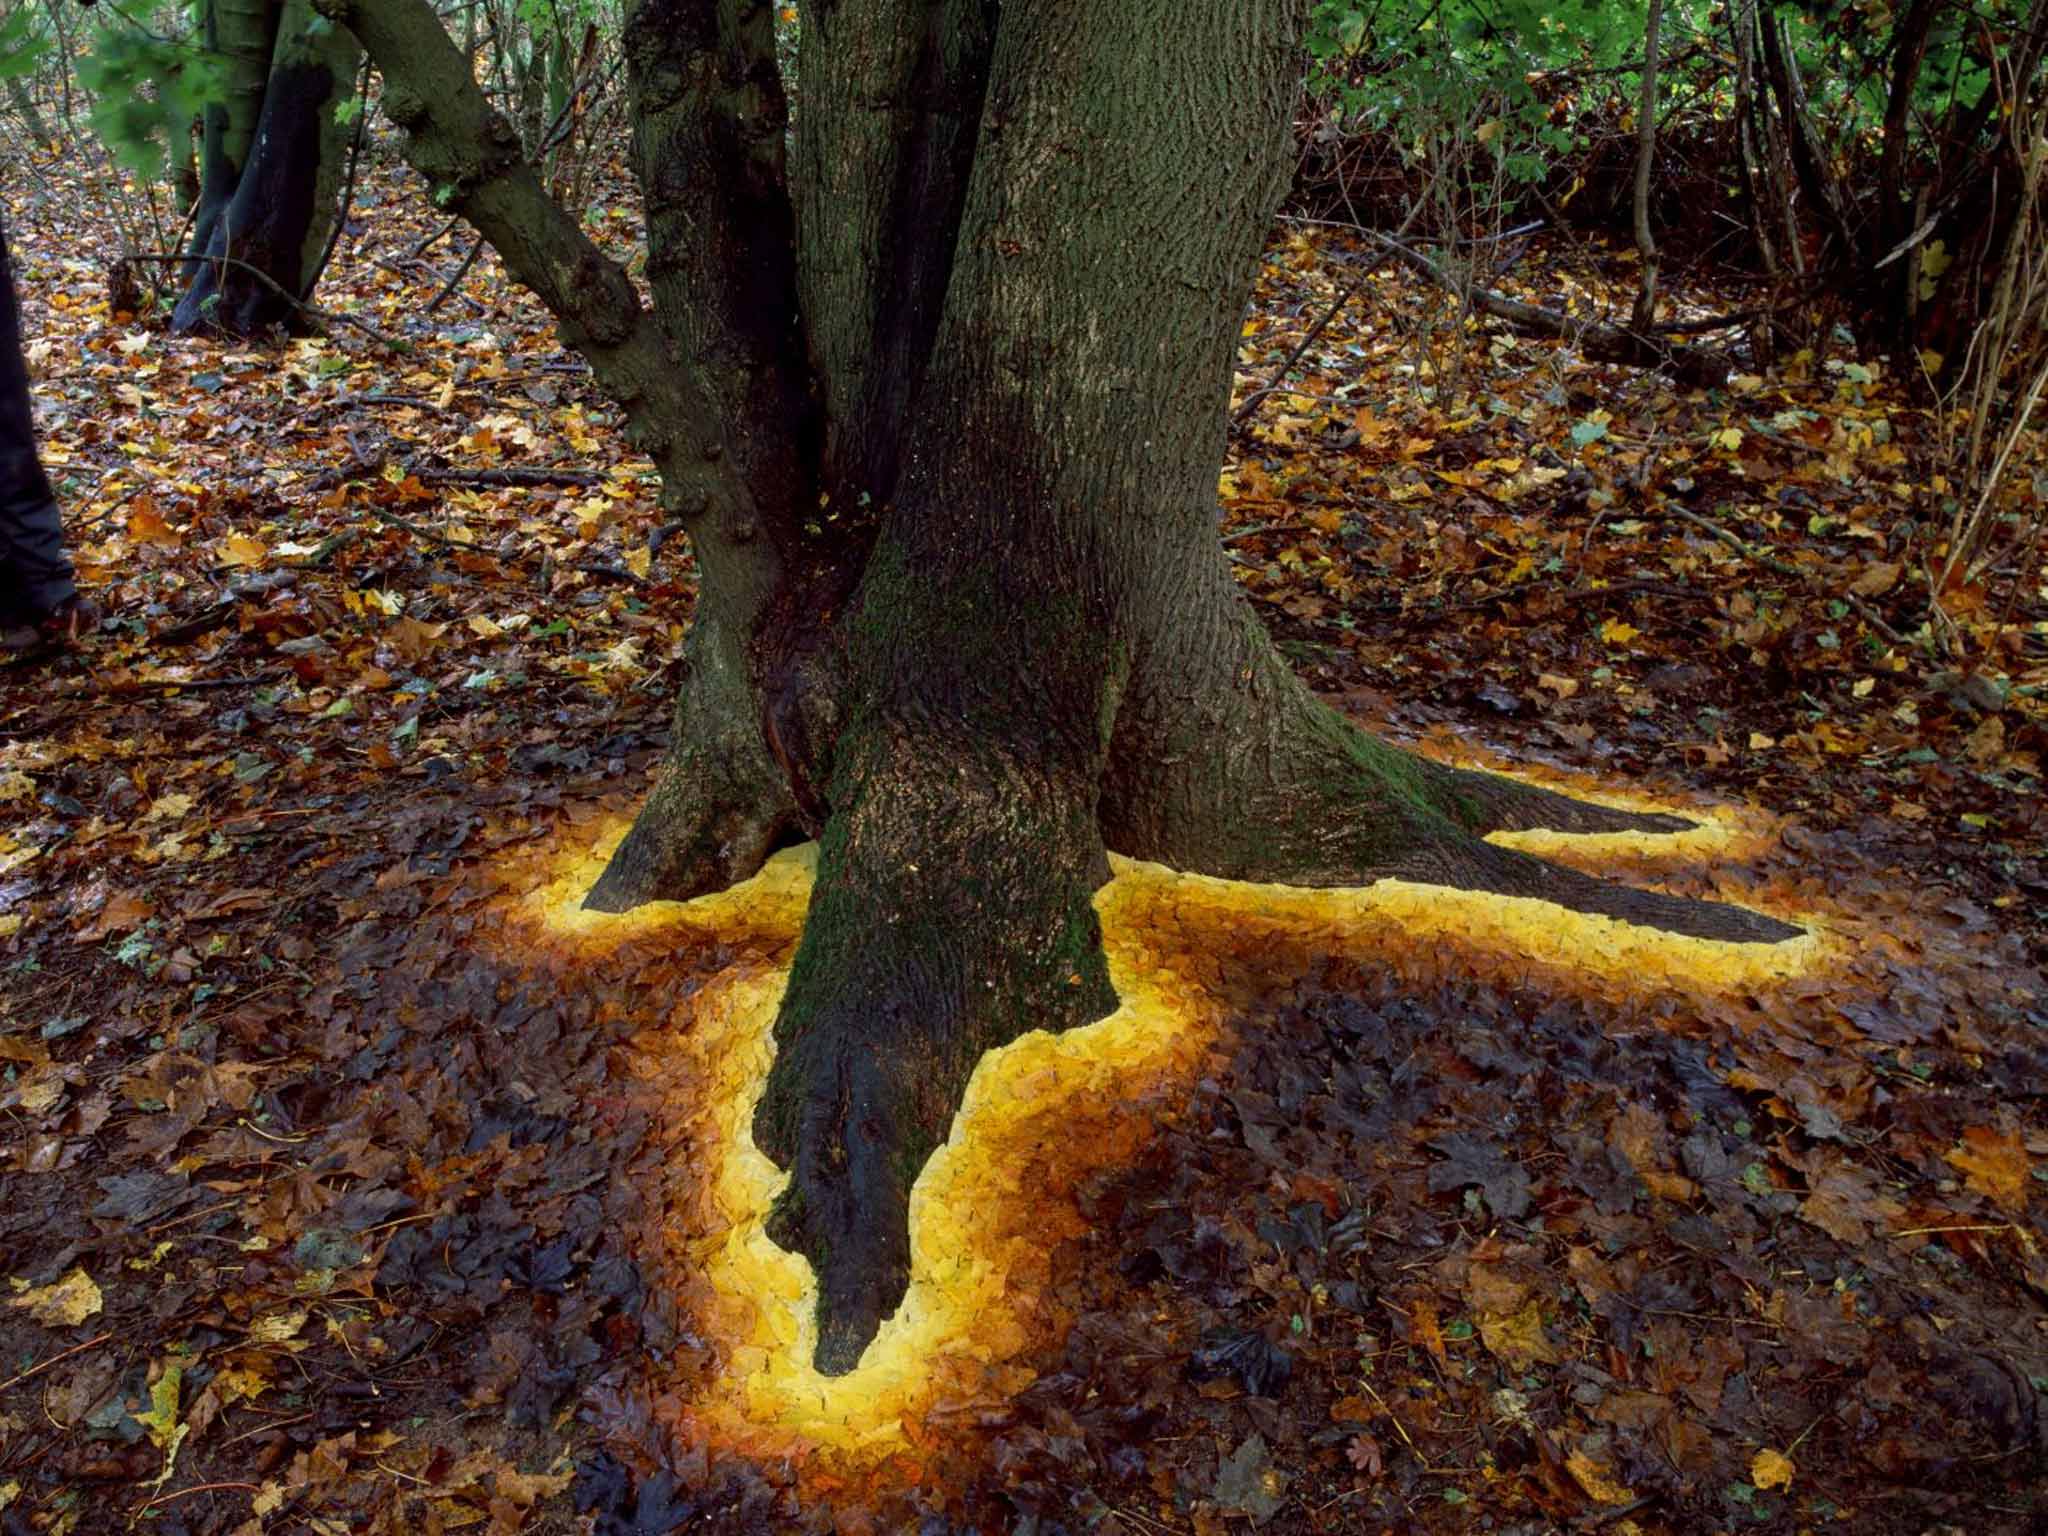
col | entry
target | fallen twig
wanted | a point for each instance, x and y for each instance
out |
(311, 311)
(1735, 542)
(1603, 343)
(36, 1370)
(1275, 383)
(476, 249)
(165, 1498)
(506, 477)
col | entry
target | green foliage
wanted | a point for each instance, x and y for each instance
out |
(22, 43)
(146, 91)
(1402, 67)
(1410, 67)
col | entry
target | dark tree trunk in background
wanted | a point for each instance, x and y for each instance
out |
(943, 411)
(272, 168)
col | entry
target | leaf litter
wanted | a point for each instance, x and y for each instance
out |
(337, 1209)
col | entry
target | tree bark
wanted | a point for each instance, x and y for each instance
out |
(946, 425)
(274, 197)
(241, 33)
(1645, 315)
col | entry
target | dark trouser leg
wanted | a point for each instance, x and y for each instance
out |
(35, 576)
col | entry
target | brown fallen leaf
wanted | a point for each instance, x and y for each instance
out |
(1640, 1134)
(124, 911)
(1994, 1164)
(1365, 1455)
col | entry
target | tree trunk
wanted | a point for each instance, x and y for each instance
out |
(268, 204)
(241, 34)
(1645, 315)
(945, 422)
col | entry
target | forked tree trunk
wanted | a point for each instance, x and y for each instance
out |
(275, 154)
(947, 440)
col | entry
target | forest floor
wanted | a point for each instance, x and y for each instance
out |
(329, 1201)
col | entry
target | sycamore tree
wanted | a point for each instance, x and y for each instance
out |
(937, 383)
(272, 85)
(271, 162)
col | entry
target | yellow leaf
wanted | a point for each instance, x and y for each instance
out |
(1517, 1338)
(1615, 632)
(1863, 687)
(1771, 1469)
(1597, 1480)
(640, 561)
(161, 1420)
(1759, 742)
(146, 525)
(240, 549)
(64, 1304)
(1727, 440)
(277, 1327)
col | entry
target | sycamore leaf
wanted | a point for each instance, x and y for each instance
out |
(1771, 1469)
(1994, 1165)
(241, 549)
(63, 1304)
(146, 525)
(166, 1433)
(1365, 1455)
(1517, 1338)
(1598, 1480)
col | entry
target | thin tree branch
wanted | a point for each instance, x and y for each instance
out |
(311, 311)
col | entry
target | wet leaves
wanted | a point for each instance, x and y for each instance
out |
(1248, 1483)
(1471, 1160)
(368, 1195)
(63, 1303)
(1994, 1163)
(1245, 1356)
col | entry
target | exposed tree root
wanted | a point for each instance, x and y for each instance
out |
(1473, 865)
(719, 805)
(692, 836)
(952, 913)
(1487, 802)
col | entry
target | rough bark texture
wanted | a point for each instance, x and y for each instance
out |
(709, 128)
(1645, 313)
(241, 34)
(284, 202)
(945, 425)
(719, 804)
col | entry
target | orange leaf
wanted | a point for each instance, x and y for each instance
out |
(147, 526)
(1994, 1165)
